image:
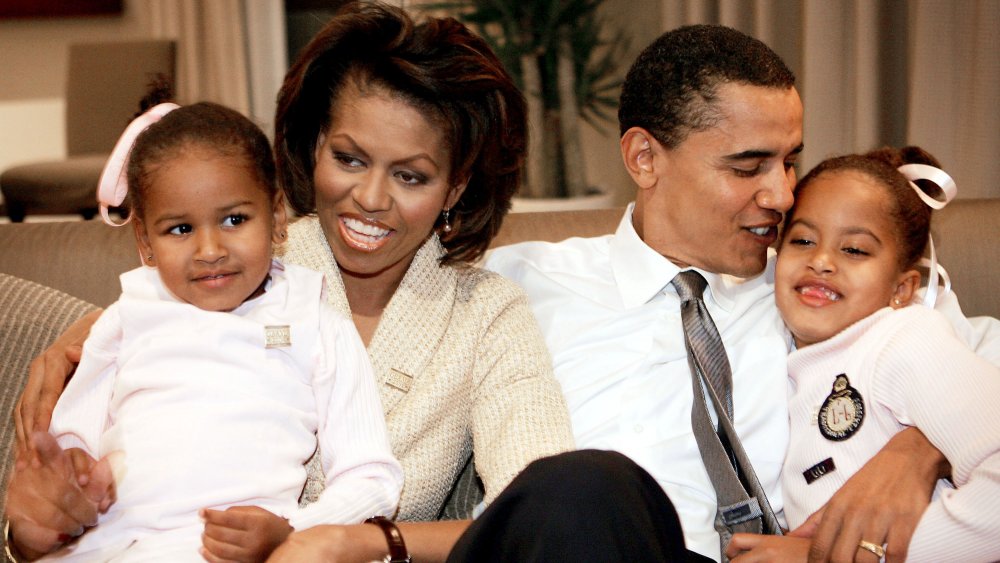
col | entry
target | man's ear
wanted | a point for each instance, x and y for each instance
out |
(142, 241)
(906, 288)
(638, 148)
(280, 218)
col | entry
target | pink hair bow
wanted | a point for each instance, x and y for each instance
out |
(113, 186)
(914, 172)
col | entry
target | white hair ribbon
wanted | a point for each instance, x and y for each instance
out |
(914, 172)
(113, 186)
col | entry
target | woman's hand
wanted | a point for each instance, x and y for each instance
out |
(749, 548)
(47, 378)
(360, 543)
(333, 544)
(242, 533)
(881, 503)
(54, 495)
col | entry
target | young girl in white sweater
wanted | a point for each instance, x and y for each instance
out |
(205, 386)
(868, 364)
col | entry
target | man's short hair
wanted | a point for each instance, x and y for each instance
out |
(672, 86)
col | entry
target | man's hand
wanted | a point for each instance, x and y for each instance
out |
(752, 548)
(54, 495)
(881, 503)
(47, 378)
(242, 533)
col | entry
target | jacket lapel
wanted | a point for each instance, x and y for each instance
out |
(413, 324)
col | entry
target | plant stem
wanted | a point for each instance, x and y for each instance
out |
(576, 183)
(537, 182)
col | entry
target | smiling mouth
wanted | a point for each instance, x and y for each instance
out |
(760, 231)
(212, 277)
(367, 229)
(817, 292)
(363, 234)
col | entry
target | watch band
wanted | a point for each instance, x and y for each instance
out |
(397, 547)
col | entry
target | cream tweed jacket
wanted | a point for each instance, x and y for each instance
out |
(461, 366)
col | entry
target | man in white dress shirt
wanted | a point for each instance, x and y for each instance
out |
(711, 125)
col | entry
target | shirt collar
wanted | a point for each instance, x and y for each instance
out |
(641, 273)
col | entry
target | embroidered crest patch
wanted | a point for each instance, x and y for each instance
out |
(842, 412)
(277, 336)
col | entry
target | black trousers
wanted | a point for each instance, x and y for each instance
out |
(586, 505)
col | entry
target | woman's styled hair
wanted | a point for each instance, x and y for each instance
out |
(204, 125)
(440, 68)
(911, 217)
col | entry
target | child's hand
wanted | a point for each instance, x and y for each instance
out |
(95, 478)
(241, 533)
(747, 548)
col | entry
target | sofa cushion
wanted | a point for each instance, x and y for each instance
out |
(33, 316)
(81, 258)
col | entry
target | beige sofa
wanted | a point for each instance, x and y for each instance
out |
(84, 258)
(75, 267)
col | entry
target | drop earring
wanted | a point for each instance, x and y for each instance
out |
(447, 224)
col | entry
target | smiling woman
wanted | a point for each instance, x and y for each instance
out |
(402, 145)
(380, 188)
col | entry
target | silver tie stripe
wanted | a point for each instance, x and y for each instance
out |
(702, 338)
(720, 448)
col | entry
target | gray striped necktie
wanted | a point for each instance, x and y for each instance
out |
(727, 464)
(703, 338)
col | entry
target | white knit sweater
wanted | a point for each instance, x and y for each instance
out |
(910, 370)
(198, 411)
(461, 365)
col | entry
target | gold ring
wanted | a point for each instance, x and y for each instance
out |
(872, 547)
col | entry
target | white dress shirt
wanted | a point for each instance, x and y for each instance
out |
(613, 324)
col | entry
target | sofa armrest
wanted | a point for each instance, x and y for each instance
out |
(33, 316)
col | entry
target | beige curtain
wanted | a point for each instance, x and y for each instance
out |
(871, 72)
(267, 50)
(875, 72)
(955, 90)
(211, 47)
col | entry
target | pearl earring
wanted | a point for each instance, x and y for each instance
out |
(447, 225)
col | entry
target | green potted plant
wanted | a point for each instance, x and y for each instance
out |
(566, 62)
